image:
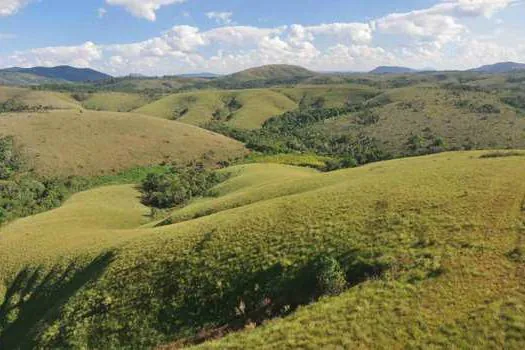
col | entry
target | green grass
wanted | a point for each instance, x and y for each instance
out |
(254, 106)
(429, 112)
(115, 101)
(31, 98)
(198, 108)
(440, 227)
(88, 143)
(299, 159)
(328, 96)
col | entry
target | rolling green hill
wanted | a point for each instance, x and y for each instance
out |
(22, 79)
(415, 117)
(61, 73)
(249, 109)
(431, 250)
(115, 101)
(245, 109)
(77, 142)
(270, 72)
(31, 98)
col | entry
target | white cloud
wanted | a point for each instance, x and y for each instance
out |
(102, 12)
(439, 23)
(11, 7)
(143, 8)
(432, 37)
(220, 17)
(81, 56)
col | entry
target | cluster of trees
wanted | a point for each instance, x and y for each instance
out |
(485, 108)
(13, 106)
(425, 143)
(10, 160)
(516, 101)
(178, 186)
(22, 194)
(27, 195)
(296, 132)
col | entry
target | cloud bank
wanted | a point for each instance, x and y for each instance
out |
(438, 36)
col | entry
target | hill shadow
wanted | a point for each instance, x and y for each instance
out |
(35, 296)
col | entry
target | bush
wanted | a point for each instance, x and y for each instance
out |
(330, 277)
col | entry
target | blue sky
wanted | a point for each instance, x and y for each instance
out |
(179, 36)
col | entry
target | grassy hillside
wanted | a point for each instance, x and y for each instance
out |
(115, 101)
(328, 96)
(33, 98)
(425, 266)
(62, 143)
(270, 72)
(250, 108)
(245, 109)
(462, 119)
(21, 79)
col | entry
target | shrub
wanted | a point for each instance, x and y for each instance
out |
(330, 276)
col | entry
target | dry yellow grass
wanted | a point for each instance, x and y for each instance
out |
(60, 143)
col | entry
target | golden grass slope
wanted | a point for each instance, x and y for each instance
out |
(34, 98)
(62, 143)
(462, 211)
(198, 108)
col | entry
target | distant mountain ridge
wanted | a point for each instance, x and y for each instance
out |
(63, 73)
(392, 70)
(502, 67)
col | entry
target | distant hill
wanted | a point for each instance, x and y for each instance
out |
(503, 67)
(66, 73)
(392, 70)
(206, 75)
(272, 72)
(17, 78)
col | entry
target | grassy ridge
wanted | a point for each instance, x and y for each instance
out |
(115, 101)
(244, 109)
(32, 98)
(448, 260)
(249, 109)
(63, 143)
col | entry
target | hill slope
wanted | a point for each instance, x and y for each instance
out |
(250, 108)
(66, 73)
(503, 67)
(245, 109)
(271, 72)
(415, 117)
(22, 79)
(62, 143)
(442, 237)
(392, 70)
(31, 98)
